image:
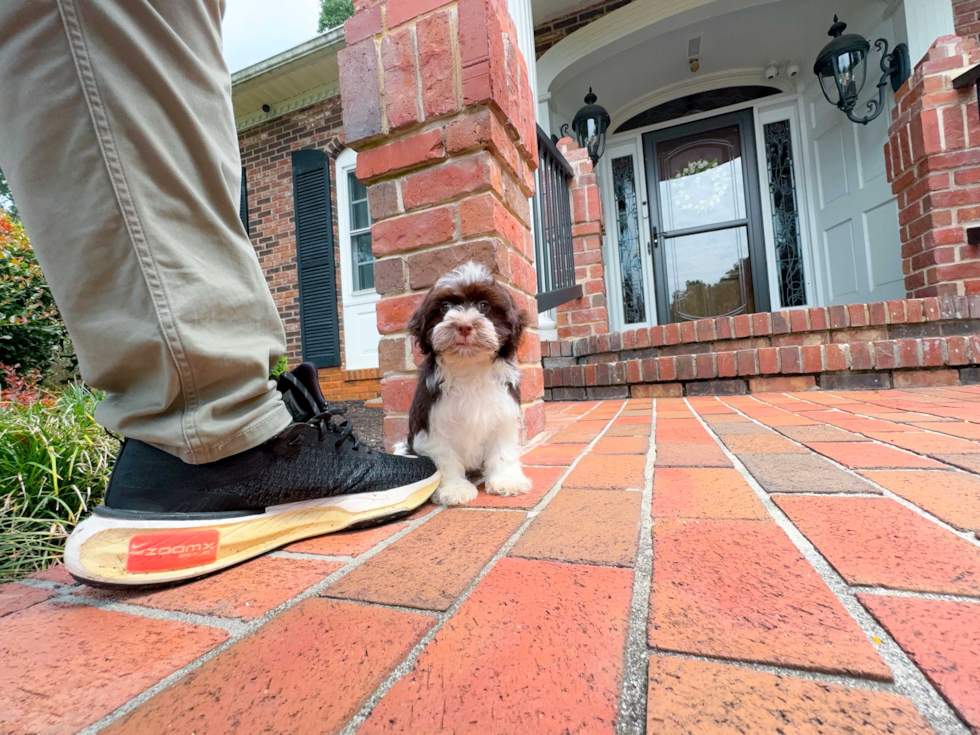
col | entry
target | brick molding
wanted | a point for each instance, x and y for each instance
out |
(588, 315)
(918, 342)
(932, 159)
(437, 102)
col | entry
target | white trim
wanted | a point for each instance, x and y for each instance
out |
(352, 300)
(627, 26)
(329, 43)
(292, 104)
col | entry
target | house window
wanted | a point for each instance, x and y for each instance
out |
(362, 260)
(785, 213)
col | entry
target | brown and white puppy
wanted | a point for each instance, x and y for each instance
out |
(466, 411)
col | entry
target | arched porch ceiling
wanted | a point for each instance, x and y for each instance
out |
(635, 56)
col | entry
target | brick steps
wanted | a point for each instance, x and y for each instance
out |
(902, 344)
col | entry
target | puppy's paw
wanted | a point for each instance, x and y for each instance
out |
(455, 492)
(508, 482)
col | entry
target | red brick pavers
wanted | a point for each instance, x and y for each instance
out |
(798, 563)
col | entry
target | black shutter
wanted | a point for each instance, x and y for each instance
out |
(243, 204)
(314, 258)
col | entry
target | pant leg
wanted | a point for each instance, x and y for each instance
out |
(117, 136)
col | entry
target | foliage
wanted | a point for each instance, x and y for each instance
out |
(7, 199)
(54, 467)
(31, 330)
(333, 13)
(280, 367)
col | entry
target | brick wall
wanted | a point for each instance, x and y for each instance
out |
(933, 163)
(266, 155)
(966, 18)
(551, 32)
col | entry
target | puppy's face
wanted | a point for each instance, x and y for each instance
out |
(468, 318)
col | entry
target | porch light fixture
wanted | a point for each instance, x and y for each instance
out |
(842, 70)
(590, 125)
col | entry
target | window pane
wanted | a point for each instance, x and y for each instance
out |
(356, 189)
(709, 275)
(362, 248)
(359, 217)
(785, 213)
(365, 276)
(628, 233)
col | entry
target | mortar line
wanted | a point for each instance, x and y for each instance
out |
(633, 697)
(311, 557)
(822, 677)
(408, 663)
(909, 680)
(234, 627)
(965, 535)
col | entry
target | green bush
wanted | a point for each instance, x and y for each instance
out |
(333, 13)
(31, 330)
(54, 466)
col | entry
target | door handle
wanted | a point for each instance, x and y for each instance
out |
(654, 239)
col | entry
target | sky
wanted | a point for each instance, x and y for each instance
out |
(254, 30)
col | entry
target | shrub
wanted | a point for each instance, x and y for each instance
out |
(31, 330)
(280, 367)
(54, 466)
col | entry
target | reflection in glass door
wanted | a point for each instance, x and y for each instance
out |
(627, 226)
(705, 223)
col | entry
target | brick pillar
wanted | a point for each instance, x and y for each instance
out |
(588, 315)
(436, 100)
(966, 18)
(933, 162)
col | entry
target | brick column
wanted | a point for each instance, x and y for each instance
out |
(966, 18)
(933, 162)
(588, 315)
(437, 102)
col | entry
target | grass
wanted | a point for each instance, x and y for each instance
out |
(54, 466)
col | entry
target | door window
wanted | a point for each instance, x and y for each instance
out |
(628, 232)
(362, 259)
(784, 202)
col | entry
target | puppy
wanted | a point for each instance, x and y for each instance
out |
(466, 411)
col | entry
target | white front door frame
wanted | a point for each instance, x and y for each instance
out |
(634, 138)
(361, 336)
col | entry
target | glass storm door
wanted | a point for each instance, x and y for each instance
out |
(705, 219)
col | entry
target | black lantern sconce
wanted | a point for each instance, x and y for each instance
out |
(590, 126)
(842, 70)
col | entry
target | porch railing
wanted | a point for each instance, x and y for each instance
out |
(553, 227)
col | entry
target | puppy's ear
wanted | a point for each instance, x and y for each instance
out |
(422, 321)
(517, 320)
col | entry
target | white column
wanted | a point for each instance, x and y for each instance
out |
(925, 21)
(520, 11)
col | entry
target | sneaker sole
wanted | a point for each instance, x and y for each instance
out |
(117, 552)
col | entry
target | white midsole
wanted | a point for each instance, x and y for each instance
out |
(357, 503)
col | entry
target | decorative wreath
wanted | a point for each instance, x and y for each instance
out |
(684, 199)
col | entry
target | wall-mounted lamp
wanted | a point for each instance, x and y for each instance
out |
(842, 70)
(590, 126)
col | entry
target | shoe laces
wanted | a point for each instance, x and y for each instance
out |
(325, 424)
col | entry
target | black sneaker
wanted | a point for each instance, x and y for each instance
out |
(165, 521)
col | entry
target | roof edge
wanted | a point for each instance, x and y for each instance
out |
(332, 40)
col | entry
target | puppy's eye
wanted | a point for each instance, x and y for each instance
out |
(446, 306)
(483, 307)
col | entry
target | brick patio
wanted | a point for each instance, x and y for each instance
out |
(813, 567)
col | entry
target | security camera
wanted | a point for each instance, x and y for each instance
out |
(772, 71)
(266, 109)
(792, 70)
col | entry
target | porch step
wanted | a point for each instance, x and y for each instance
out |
(901, 344)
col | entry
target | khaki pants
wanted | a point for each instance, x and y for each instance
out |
(118, 139)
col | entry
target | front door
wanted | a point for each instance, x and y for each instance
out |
(705, 219)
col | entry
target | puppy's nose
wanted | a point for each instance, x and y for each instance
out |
(465, 330)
